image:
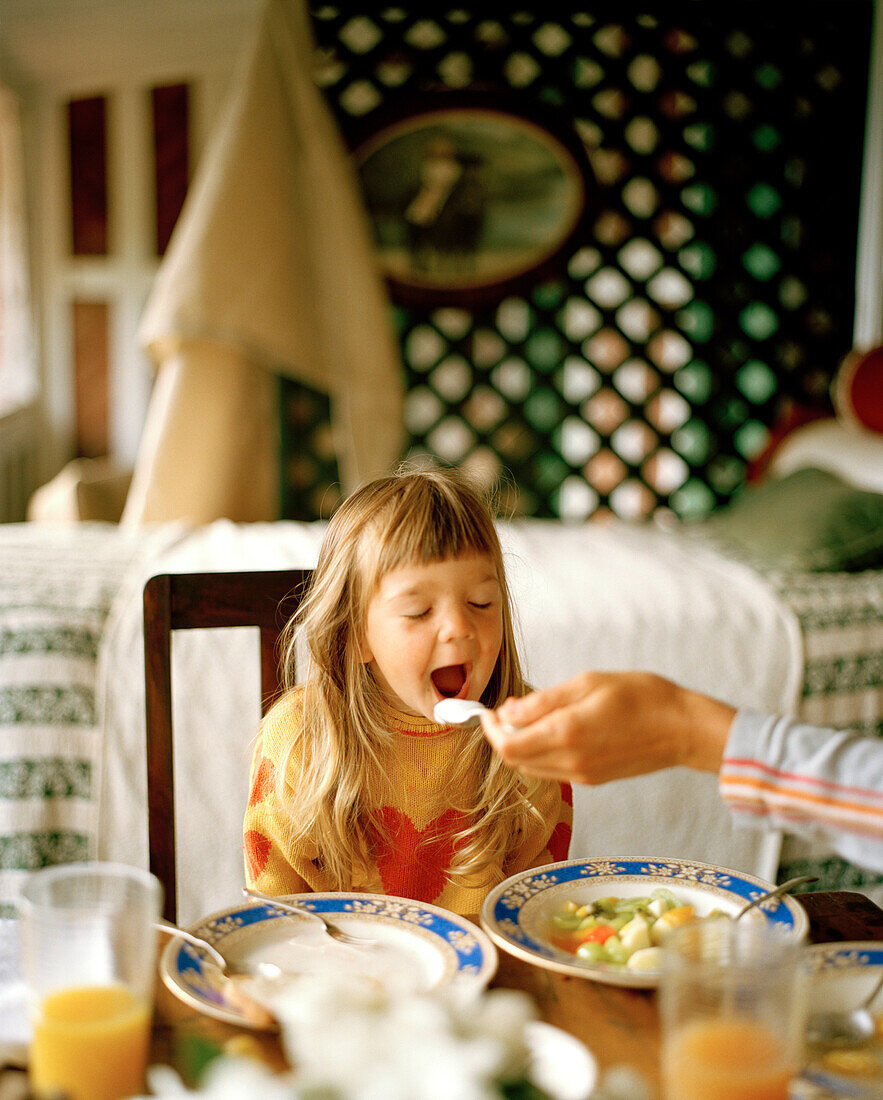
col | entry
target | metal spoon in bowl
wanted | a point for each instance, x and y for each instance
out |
(844, 1028)
(195, 941)
(260, 969)
(255, 1012)
(784, 888)
(330, 927)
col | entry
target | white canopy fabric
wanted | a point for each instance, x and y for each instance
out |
(271, 270)
(19, 374)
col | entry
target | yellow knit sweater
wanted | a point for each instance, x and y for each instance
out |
(418, 763)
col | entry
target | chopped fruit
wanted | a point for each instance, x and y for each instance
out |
(635, 935)
(449, 681)
(598, 934)
(668, 922)
(613, 931)
(645, 958)
(572, 940)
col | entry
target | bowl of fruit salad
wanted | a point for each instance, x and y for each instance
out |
(607, 919)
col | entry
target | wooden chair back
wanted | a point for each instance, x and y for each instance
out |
(191, 601)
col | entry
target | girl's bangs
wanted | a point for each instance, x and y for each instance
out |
(431, 529)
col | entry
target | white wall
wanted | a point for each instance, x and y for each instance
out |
(869, 261)
(55, 50)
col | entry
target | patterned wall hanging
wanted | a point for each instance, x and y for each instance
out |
(713, 282)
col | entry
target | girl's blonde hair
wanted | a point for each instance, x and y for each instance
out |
(405, 519)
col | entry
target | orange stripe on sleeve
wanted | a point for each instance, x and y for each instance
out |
(728, 780)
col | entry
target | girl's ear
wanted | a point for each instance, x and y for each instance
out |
(365, 654)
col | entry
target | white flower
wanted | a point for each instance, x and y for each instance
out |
(227, 1078)
(348, 1039)
(230, 1078)
(364, 1044)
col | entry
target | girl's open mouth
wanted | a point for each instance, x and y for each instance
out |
(449, 681)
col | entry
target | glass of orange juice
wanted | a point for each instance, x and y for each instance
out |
(89, 956)
(732, 1004)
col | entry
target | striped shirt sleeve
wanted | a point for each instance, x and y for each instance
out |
(822, 784)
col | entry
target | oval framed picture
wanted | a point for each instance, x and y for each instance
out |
(471, 198)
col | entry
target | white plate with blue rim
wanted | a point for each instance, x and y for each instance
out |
(517, 914)
(415, 947)
(842, 975)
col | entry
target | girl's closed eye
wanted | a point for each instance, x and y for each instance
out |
(486, 596)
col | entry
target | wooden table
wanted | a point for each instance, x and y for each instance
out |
(620, 1026)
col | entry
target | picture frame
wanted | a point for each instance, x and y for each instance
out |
(472, 196)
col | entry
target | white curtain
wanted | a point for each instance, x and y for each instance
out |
(271, 270)
(19, 378)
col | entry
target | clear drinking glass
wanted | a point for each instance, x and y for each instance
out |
(732, 1003)
(89, 959)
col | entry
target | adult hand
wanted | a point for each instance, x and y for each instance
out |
(600, 726)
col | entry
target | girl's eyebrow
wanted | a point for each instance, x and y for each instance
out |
(420, 588)
(404, 593)
(491, 578)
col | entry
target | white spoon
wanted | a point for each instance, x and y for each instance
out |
(457, 712)
(461, 712)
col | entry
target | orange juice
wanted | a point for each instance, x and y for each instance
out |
(90, 1043)
(726, 1059)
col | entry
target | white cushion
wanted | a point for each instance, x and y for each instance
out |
(92, 489)
(852, 453)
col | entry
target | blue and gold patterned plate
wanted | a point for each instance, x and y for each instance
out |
(843, 973)
(415, 947)
(517, 913)
(842, 976)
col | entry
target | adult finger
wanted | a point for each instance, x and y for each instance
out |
(530, 708)
(544, 744)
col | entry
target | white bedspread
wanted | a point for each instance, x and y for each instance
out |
(585, 596)
(58, 584)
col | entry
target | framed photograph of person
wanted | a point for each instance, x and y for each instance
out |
(472, 196)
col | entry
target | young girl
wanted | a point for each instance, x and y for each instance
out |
(354, 786)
